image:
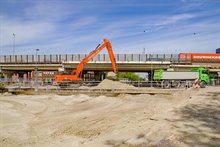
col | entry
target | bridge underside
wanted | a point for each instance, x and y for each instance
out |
(123, 67)
(99, 66)
(99, 69)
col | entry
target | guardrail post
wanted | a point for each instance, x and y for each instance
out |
(78, 57)
(45, 58)
(38, 58)
(179, 58)
(32, 58)
(60, 58)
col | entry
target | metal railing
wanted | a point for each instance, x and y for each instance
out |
(59, 58)
(31, 83)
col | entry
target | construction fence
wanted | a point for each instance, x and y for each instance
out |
(31, 83)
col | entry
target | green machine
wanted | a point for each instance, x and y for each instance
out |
(177, 78)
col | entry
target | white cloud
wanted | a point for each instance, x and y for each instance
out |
(26, 31)
(174, 19)
(50, 10)
(177, 39)
(61, 27)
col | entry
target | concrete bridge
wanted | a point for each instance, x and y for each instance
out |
(125, 62)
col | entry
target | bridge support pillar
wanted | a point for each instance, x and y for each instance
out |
(150, 75)
(99, 76)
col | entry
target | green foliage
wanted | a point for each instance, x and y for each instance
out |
(2, 85)
(213, 75)
(130, 75)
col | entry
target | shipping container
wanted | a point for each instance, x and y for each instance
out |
(185, 57)
(206, 57)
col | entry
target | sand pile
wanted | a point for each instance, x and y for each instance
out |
(67, 100)
(133, 121)
(84, 87)
(109, 84)
(111, 76)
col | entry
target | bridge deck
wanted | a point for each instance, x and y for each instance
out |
(101, 62)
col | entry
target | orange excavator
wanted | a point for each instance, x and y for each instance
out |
(76, 73)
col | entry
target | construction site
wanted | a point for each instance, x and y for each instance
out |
(79, 107)
(177, 117)
(112, 95)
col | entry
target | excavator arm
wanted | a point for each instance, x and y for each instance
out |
(75, 77)
(92, 54)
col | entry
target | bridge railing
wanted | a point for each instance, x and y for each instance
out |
(59, 58)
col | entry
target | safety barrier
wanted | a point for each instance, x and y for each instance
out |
(32, 83)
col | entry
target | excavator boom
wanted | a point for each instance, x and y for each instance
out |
(75, 77)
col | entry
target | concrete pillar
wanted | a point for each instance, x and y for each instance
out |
(149, 75)
(13, 77)
(25, 77)
(99, 76)
(17, 77)
(32, 74)
(103, 76)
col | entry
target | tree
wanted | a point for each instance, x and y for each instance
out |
(2, 87)
(129, 75)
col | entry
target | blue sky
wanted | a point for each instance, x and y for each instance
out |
(77, 26)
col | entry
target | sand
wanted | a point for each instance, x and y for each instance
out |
(109, 84)
(184, 118)
(111, 76)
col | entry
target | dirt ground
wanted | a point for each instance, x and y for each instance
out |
(184, 118)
